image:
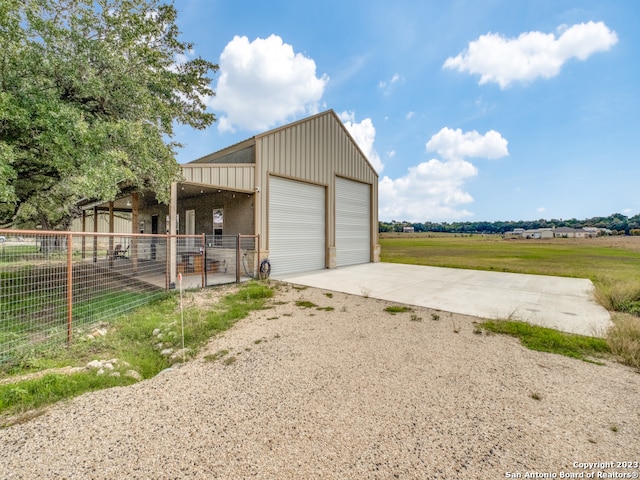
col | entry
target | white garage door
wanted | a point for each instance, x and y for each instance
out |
(353, 222)
(296, 226)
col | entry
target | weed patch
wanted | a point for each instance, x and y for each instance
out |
(619, 296)
(215, 356)
(229, 361)
(394, 309)
(548, 340)
(305, 304)
(624, 339)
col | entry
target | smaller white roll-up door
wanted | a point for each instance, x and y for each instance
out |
(353, 222)
(296, 226)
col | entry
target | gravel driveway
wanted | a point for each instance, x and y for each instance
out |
(348, 393)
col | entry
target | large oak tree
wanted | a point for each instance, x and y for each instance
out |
(90, 91)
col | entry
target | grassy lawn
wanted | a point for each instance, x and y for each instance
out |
(612, 263)
(616, 257)
(135, 340)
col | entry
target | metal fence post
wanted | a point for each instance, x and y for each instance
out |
(258, 273)
(203, 252)
(238, 259)
(69, 288)
(167, 262)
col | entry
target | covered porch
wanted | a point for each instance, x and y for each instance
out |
(209, 233)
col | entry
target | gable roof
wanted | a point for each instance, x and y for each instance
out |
(249, 143)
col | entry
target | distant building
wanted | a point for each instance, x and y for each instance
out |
(564, 232)
(408, 230)
(557, 232)
(538, 233)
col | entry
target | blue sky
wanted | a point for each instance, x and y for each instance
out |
(477, 110)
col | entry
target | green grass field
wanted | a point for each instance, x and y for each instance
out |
(612, 263)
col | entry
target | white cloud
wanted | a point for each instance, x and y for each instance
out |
(364, 134)
(434, 190)
(410, 115)
(263, 83)
(387, 87)
(429, 191)
(533, 54)
(540, 209)
(453, 144)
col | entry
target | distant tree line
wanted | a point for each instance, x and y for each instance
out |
(618, 224)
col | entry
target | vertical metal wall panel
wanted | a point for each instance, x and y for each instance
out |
(296, 226)
(314, 150)
(231, 177)
(353, 222)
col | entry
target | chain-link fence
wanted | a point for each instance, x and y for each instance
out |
(56, 286)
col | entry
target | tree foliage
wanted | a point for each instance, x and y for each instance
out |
(618, 224)
(90, 91)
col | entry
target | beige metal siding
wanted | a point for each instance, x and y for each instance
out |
(314, 150)
(238, 177)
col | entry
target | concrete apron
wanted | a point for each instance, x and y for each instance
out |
(565, 304)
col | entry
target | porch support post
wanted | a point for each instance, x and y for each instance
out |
(173, 215)
(135, 204)
(84, 238)
(95, 237)
(111, 224)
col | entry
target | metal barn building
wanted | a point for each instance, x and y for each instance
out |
(306, 188)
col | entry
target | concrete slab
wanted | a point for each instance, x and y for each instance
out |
(565, 304)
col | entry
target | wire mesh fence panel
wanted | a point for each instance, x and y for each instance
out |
(56, 286)
(190, 254)
(125, 272)
(33, 290)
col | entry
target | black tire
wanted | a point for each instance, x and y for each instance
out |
(265, 269)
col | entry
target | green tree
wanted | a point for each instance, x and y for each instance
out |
(90, 91)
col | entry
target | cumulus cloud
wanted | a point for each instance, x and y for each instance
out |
(431, 190)
(434, 190)
(533, 54)
(454, 144)
(364, 134)
(264, 83)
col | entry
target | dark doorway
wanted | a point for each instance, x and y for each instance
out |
(154, 230)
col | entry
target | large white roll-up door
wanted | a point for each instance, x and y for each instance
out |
(353, 222)
(296, 226)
